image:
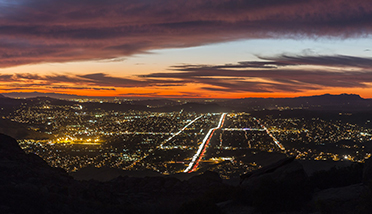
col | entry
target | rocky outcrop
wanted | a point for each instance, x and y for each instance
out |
(280, 186)
(282, 171)
(206, 178)
(107, 173)
(367, 171)
(339, 200)
(9, 146)
(340, 194)
(16, 166)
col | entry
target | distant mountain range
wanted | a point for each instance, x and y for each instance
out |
(38, 94)
(342, 102)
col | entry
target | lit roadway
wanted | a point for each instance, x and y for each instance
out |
(135, 162)
(179, 132)
(161, 145)
(193, 165)
(243, 129)
(274, 139)
(147, 133)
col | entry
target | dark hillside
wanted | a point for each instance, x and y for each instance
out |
(29, 185)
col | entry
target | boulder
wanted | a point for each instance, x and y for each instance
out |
(367, 171)
(282, 186)
(341, 194)
(282, 171)
(9, 147)
(207, 178)
(339, 200)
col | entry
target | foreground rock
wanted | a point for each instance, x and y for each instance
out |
(106, 173)
(281, 186)
(339, 200)
(367, 171)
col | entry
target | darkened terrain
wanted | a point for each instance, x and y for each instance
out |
(29, 185)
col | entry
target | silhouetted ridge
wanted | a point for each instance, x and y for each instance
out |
(18, 166)
(9, 147)
(326, 102)
(339, 96)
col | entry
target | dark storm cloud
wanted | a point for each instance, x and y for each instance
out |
(105, 80)
(35, 31)
(82, 88)
(140, 94)
(280, 73)
(5, 77)
(96, 79)
(334, 61)
(157, 94)
(283, 60)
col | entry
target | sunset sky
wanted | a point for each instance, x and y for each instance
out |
(186, 48)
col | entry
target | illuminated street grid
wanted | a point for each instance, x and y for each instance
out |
(176, 142)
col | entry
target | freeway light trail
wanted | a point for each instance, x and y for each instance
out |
(193, 165)
(179, 132)
(268, 132)
(146, 133)
(243, 129)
